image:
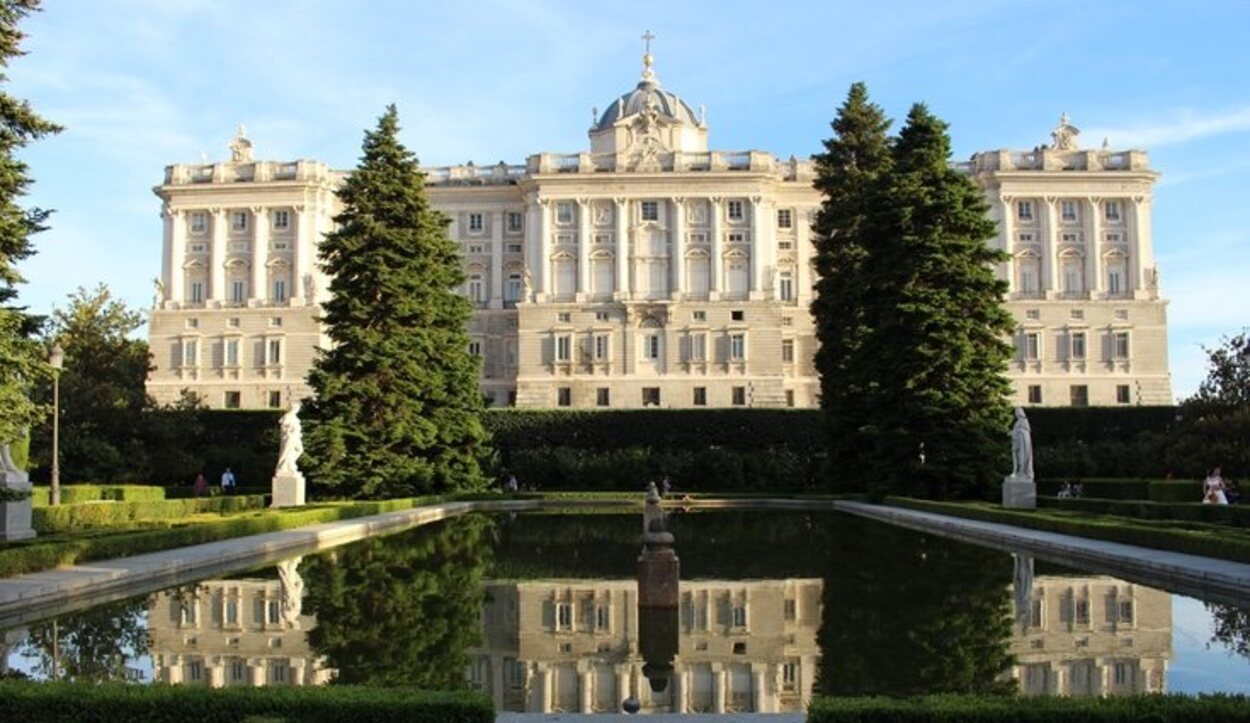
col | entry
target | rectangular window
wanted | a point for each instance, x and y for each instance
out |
(1112, 210)
(1024, 210)
(190, 352)
(477, 289)
(187, 612)
(273, 610)
(737, 347)
(1122, 394)
(238, 221)
(475, 348)
(737, 315)
(789, 397)
(477, 249)
(603, 397)
(733, 210)
(564, 397)
(650, 396)
(1078, 345)
(651, 346)
(233, 400)
(1024, 238)
(564, 213)
(564, 317)
(476, 223)
(790, 676)
(275, 400)
(601, 347)
(1030, 349)
(274, 352)
(739, 616)
(739, 396)
(232, 611)
(1035, 394)
(698, 347)
(199, 222)
(279, 289)
(195, 671)
(700, 397)
(784, 218)
(564, 616)
(787, 350)
(1067, 210)
(238, 291)
(564, 348)
(1078, 395)
(1082, 612)
(650, 211)
(512, 289)
(231, 352)
(603, 618)
(1120, 344)
(1126, 611)
(785, 286)
(281, 220)
(603, 316)
(514, 221)
(698, 315)
(736, 237)
(197, 292)
(514, 248)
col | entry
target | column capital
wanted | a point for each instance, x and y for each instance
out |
(756, 200)
(169, 212)
(1050, 200)
(1095, 200)
(620, 201)
(715, 200)
(1006, 198)
(216, 210)
(260, 210)
(1141, 200)
(678, 200)
(582, 201)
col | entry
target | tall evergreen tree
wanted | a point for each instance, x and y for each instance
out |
(938, 328)
(397, 408)
(21, 359)
(854, 160)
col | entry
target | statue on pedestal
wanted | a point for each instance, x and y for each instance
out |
(292, 445)
(1022, 447)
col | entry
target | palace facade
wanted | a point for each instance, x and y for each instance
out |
(649, 271)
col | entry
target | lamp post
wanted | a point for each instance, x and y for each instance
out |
(56, 360)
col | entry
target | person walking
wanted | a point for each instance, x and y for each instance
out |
(201, 485)
(227, 481)
(1213, 489)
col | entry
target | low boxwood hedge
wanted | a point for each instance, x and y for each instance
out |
(1175, 491)
(1009, 709)
(1102, 488)
(88, 515)
(183, 492)
(1196, 539)
(77, 702)
(73, 493)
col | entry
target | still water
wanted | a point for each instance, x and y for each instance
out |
(540, 611)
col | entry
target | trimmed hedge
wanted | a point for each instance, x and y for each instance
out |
(187, 491)
(87, 515)
(75, 702)
(1175, 491)
(705, 470)
(1012, 709)
(75, 493)
(1238, 515)
(1105, 489)
(1209, 541)
(36, 554)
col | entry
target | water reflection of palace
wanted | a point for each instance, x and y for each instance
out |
(1092, 636)
(235, 632)
(573, 645)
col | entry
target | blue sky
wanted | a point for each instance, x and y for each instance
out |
(141, 84)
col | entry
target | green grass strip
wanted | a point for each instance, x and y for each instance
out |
(1012, 709)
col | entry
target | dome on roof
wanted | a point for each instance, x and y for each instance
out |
(648, 93)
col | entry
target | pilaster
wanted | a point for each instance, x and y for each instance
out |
(496, 260)
(544, 252)
(1049, 232)
(583, 248)
(260, 253)
(1093, 248)
(217, 257)
(677, 248)
(177, 247)
(622, 249)
(717, 261)
(1141, 248)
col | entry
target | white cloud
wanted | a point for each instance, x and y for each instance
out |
(1186, 125)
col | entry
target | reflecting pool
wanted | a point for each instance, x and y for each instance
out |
(541, 612)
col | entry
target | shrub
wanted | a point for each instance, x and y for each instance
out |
(56, 702)
(1005, 709)
(75, 493)
(1169, 491)
(87, 515)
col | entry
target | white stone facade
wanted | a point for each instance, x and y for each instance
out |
(648, 271)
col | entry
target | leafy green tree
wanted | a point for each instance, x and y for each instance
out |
(401, 611)
(935, 346)
(102, 389)
(1212, 425)
(855, 159)
(22, 361)
(93, 646)
(397, 409)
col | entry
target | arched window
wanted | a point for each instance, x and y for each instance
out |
(565, 275)
(736, 274)
(1072, 273)
(698, 273)
(1116, 265)
(279, 281)
(1028, 273)
(602, 273)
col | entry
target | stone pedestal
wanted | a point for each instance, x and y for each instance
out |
(15, 516)
(1019, 493)
(288, 489)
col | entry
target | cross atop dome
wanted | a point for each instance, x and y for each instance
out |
(648, 75)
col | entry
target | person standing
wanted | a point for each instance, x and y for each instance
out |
(1213, 489)
(201, 485)
(227, 481)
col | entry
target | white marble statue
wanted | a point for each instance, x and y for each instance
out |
(7, 465)
(1021, 448)
(292, 445)
(292, 590)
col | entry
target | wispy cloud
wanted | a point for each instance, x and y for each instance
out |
(1184, 126)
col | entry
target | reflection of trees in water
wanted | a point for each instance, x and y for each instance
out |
(401, 610)
(91, 646)
(909, 614)
(1230, 627)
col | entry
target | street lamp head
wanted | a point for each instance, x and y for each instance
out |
(57, 357)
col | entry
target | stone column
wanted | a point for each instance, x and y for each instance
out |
(496, 264)
(719, 680)
(1009, 242)
(496, 681)
(543, 277)
(176, 288)
(622, 249)
(302, 250)
(584, 692)
(1049, 232)
(175, 670)
(217, 256)
(677, 249)
(1141, 254)
(215, 672)
(544, 688)
(622, 682)
(1093, 248)
(681, 678)
(759, 689)
(256, 672)
(260, 253)
(803, 255)
(583, 248)
(761, 265)
(715, 263)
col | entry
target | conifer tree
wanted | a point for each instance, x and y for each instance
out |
(854, 160)
(21, 359)
(937, 326)
(397, 409)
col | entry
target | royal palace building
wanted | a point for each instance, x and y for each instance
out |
(649, 270)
